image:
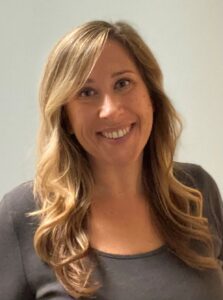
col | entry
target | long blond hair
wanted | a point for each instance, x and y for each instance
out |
(63, 181)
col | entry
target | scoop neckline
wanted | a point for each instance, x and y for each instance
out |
(130, 256)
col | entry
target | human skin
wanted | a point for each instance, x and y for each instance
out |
(114, 97)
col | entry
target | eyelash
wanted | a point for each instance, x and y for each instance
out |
(89, 89)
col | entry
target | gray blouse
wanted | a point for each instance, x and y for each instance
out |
(157, 274)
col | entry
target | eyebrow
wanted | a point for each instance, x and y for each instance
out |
(89, 80)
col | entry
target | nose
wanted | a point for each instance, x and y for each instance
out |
(111, 107)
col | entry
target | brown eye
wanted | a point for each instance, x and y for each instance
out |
(122, 83)
(86, 92)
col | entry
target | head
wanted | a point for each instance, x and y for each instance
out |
(69, 66)
(112, 115)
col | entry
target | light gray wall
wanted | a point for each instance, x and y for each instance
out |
(185, 35)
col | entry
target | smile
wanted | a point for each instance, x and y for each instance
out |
(117, 133)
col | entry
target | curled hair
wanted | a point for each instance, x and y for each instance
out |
(63, 180)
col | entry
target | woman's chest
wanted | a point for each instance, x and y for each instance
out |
(155, 275)
(124, 233)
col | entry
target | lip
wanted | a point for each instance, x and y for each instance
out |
(111, 129)
(118, 140)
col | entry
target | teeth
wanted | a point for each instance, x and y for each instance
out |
(116, 134)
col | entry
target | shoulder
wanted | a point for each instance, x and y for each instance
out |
(197, 177)
(23, 272)
(20, 198)
(19, 201)
(189, 172)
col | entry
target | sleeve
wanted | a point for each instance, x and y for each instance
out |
(215, 206)
(13, 284)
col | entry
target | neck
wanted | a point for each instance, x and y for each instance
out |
(118, 184)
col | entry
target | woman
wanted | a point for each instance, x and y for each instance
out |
(112, 216)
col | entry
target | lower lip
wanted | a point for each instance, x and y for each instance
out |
(120, 139)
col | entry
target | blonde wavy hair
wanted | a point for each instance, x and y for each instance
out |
(63, 181)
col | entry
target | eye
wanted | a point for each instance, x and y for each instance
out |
(122, 83)
(86, 92)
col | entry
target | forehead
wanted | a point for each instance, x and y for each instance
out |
(113, 58)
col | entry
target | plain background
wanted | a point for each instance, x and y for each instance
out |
(185, 35)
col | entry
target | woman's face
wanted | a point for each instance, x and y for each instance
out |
(112, 115)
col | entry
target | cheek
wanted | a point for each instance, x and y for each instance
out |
(72, 119)
(144, 103)
(75, 115)
(146, 109)
(82, 123)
